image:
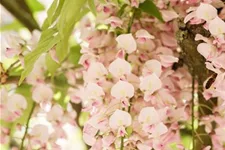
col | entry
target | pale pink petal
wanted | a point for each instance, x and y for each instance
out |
(107, 140)
(167, 60)
(150, 83)
(168, 39)
(120, 67)
(206, 12)
(120, 119)
(149, 116)
(96, 71)
(16, 103)
(42, 93)
(122, 89)
(127, 42)
(144, 34)
(206, 50)
(114, 21)
(158, 130)
(169, 15)
(217, 26)
(189, 16)
(152, 66)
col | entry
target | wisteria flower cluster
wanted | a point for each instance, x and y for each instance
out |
(127, 82)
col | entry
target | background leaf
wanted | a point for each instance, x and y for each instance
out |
(74, 54)
(149, 7)
(52, 66)
(35, 5)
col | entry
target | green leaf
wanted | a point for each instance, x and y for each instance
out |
(15, 25)
(74, 54)
(70, 12)
(91, 4)
(35, 5)
(47, 41)
(53, 13)
(52, 66)
(149, 7)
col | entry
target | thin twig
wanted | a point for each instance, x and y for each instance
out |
(27, 125)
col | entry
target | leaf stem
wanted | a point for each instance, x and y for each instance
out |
(27, 125)
(131, 20)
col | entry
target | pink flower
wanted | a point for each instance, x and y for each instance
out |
(148, 116)
(127, 42)
(149, 84)
(207, 50)
(206, 12)
(152, 66)
(169, 15)
(158, 130)
(119, 120)
(120, 67)
(217, 26)
(42, 93)
(39, 134)
(56, 113)
(16, 104)
(167, 60)
(122, 90)
(96, 71)
(93, 92)
(143, 35)
(114, 21)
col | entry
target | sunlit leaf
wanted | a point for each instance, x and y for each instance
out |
(35, 5)
(46, 42)
(53, 13)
